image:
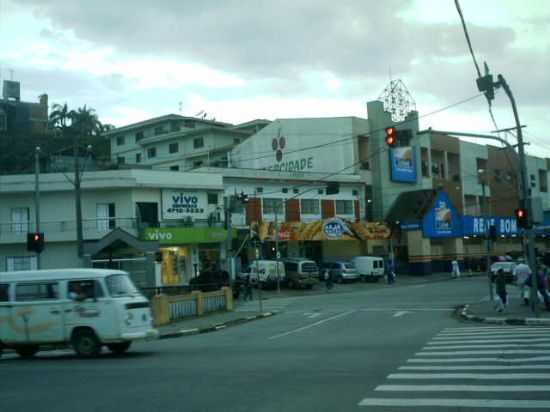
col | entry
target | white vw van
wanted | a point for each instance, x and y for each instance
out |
(369, 267)
(83, 308)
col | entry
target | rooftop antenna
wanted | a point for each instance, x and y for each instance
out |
(180, 106)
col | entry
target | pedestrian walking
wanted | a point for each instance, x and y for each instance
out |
(541, 284)
(502, 298)
(522, 272)
(390, 272)
(328, 280)
(247, 288)
(455, 269)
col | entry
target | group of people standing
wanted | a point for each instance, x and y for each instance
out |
(523, 276)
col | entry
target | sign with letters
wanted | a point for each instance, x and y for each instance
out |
(179, 204)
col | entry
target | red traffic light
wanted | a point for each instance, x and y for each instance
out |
(390, 136)
(522, 218)
(520, 213)
(36, 237)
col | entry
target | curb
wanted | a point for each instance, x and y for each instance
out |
(462, 312)
(215, 327)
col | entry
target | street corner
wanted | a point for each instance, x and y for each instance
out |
(212, 327)
(464, 312)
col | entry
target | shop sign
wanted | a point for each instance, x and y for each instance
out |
(403, 164)
(479, 225)
(183, 235)
(177, 204)
(442, 220)
(334, 228)
(410, 226)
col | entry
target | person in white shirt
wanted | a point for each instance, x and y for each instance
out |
(522, 272)
(455, 269)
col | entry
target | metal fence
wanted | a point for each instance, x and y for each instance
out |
(183, 308)
(214, 303)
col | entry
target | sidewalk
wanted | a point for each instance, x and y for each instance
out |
(208, 323)
(516, 313)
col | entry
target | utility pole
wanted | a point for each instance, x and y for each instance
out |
(485, 212)
(37, 197)
(277, 253)
(229, 238)
(78, 198)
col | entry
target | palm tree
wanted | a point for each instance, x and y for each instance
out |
(60, 117)
(85, 122)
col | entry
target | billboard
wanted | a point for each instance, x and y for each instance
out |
(177, 204)
(479, 225)
(323, 229)
(442, 219)
(403, 164)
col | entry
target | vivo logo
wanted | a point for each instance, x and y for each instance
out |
(159, 236)
(181, 199)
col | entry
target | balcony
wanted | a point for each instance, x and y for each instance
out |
(65, 230)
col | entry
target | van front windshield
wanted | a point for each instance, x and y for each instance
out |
(120, 285)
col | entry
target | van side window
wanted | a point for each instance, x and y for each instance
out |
(36, 291)
(84, 289)
(292, 267)
(4, 292)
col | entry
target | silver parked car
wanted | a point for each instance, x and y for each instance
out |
(341, 271)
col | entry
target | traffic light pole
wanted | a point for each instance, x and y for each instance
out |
(526, 196)
(37, 198)
(488, 240)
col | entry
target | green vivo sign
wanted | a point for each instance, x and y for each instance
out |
(176, 235)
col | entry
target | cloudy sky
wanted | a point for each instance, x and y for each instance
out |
(243, 59)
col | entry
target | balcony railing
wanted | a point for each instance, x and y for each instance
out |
(65, 229)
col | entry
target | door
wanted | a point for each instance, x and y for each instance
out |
(87, 305)
(36, 313)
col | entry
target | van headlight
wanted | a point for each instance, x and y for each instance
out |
(129, 317)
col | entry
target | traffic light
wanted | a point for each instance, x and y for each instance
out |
(521, 217)
(243, 197)
(35, 242)
(390, 136)
(493, 233)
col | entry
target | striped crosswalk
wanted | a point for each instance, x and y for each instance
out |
(489, 367)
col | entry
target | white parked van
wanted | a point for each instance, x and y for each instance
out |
(370, 268)
(266, 272)
(82, 308)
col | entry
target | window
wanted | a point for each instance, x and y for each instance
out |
(139, 136)
(259, 190)
(272, 206)
(543, 180)
(4, 292)
(174, 126)
(236, 140)
(152, 152)
(159, 130)
(189, 124)
(198, 142)
(175, 168)
(138, 157)
(84, 289)
(120, 160)
(296, 191)
(212, 198)
(105, 214)
(355, 192)
(120, 285)
(197, 163)
(309, 206)
(344, 207)
(36, 291)
(120, 140)
(285, 190)
(20, 219)
(14, 263)
(173, 148)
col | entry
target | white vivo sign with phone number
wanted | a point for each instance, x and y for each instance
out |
(178, 204)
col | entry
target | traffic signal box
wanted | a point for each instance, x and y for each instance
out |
(35, 242)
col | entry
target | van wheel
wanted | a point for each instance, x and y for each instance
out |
(119, 348)
(86, 343)
(26, 351)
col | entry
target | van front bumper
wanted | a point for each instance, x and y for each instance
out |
(142, 335)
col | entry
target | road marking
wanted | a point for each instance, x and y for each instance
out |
(485, 352)
(466, 403)
(489, 328)
(400, 313)
(488, 346)
(320, 322)
(474, 341)
(481, 376)
(463, 388)
(495, 333)
(460, 360)
(423, 309)
(473, 367)
(312, 315)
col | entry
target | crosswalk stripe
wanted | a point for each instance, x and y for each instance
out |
(463, 360)
(485, 352)
(491, 328)
(496, 340)
(496, 332)
(483, 376)
(489, 346)
(473, 367)
(463, 388)
(465, 403)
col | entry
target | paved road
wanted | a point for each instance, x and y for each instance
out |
(390, 349)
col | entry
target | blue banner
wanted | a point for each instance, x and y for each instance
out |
(479, 225)
(403, 164)
(442, 219)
